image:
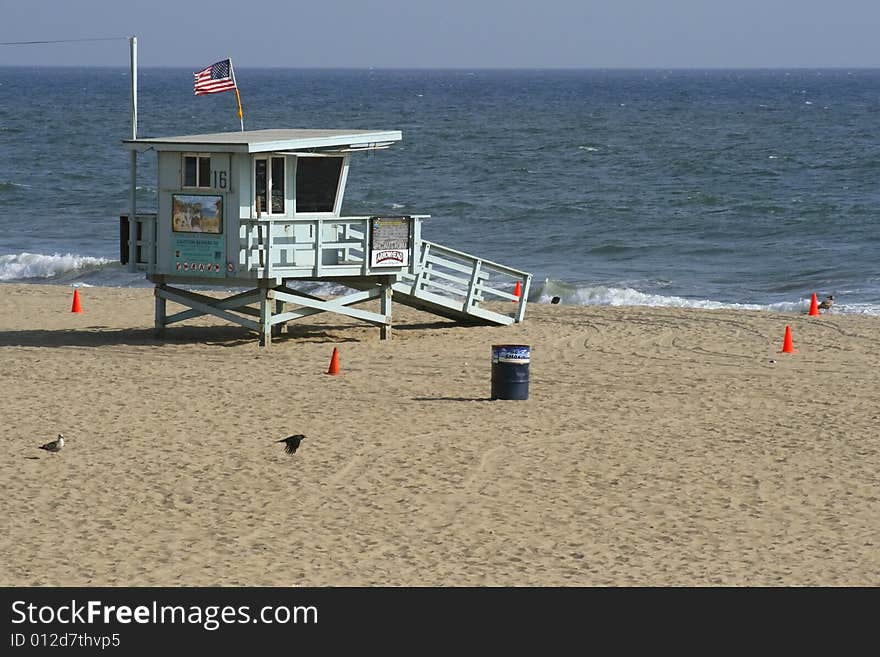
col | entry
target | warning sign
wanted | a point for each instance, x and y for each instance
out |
(198, 254)
(390, 241)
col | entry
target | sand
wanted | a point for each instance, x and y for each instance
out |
(658, 447)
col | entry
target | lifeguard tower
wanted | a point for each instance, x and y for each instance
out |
(260, 210)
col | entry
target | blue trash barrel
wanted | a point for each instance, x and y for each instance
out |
(510, 371)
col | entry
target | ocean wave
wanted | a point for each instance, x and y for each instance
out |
(600, 295)
(25, 266)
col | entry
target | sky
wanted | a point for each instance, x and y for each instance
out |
(447, 33)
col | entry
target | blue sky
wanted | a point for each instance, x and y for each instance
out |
(453, 33)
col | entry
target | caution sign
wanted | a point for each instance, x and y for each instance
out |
(390, 241)
(198, 254)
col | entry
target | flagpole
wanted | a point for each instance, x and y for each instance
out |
(132, 194)
(240, 116)
(237, 95)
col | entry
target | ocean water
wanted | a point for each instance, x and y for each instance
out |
(743, 189)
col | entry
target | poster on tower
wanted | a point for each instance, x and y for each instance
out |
(197, 235)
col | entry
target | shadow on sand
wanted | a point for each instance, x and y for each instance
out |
(459, 399)
(98, 336)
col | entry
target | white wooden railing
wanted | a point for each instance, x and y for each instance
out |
(462, 281)
(338, 246)
(324, 247)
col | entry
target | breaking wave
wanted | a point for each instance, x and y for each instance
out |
(600, 295)
(25, 266)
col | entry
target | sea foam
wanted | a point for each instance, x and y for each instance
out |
(600, 295)
(25, 266)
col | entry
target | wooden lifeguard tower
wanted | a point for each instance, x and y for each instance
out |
(260, 210)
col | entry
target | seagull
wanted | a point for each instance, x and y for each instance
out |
(54, 446)
(292, 442)
(827, 303)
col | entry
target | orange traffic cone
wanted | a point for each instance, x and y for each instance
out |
(334, 362)
(814, 305)
(787, 344)
(517, 291)
(76, 307)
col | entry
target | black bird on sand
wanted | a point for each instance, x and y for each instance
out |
(291, 443)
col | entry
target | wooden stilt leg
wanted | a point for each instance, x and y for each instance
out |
(385, 303)
(265, 317)
(160, 314)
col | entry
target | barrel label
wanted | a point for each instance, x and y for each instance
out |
(517, 355)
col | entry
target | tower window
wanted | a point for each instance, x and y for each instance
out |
(196, 171)
(269, 184)
(317, 182)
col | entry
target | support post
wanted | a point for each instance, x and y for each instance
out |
(161, 310)
(521, 310)
(385, 308)
(266, 303)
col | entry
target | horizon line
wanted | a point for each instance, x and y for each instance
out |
(474, 68)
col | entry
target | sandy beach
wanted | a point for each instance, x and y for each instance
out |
(659, 446)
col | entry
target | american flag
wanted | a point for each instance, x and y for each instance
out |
(214, 79)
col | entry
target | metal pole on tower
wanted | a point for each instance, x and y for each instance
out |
(132, 197)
